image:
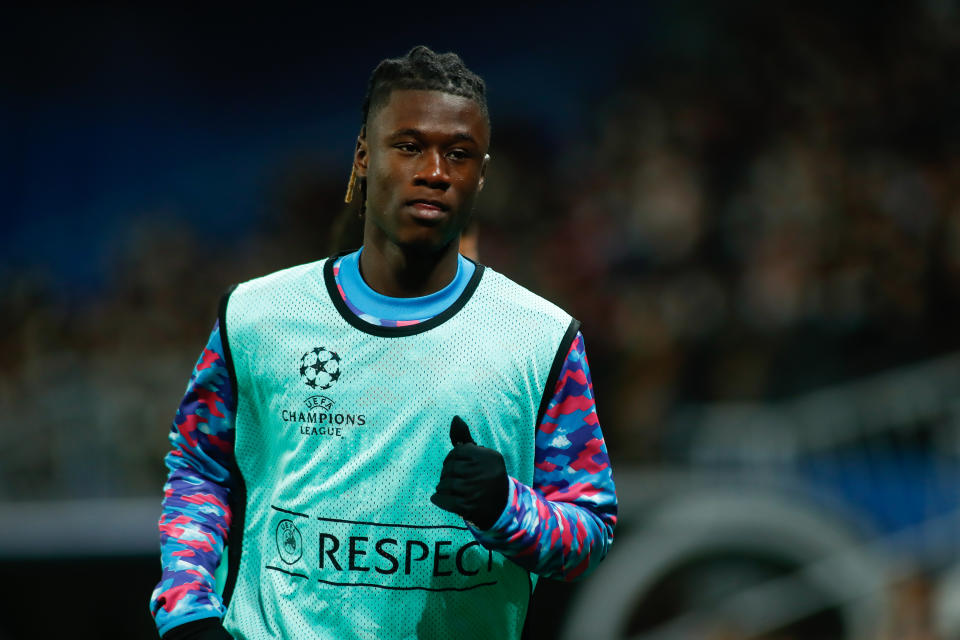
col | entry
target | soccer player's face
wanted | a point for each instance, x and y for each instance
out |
(424, 158)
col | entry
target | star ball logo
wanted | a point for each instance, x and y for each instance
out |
(320, 368)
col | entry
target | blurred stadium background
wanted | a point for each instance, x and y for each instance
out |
(755, 210)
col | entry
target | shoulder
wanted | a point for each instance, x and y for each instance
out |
(499, 290)
(311, 271)
(262, 299)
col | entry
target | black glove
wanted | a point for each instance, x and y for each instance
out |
(203, 629)
(473, 482)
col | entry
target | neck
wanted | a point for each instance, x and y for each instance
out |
(403, 273)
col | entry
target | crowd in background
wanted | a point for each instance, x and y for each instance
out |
(775, 213)
(743, 217)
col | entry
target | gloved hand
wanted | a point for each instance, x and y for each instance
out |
(473, 481)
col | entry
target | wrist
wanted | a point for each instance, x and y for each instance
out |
(501, 518)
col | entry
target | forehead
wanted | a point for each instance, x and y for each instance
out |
(430, 112)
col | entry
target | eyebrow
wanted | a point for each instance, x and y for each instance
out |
(417, 133)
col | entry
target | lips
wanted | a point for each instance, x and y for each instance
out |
(427, 206)
(428, 212)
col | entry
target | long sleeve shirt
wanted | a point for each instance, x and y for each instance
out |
(559, 527)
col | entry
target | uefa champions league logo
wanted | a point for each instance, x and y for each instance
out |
(320, 368)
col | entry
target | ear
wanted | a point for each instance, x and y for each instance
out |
(360, 155)
(483, 171)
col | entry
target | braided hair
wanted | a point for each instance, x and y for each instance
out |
(420, 70)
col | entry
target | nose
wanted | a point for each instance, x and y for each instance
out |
(432, 171)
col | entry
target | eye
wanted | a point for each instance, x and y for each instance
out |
(458, 154)
(406, 147)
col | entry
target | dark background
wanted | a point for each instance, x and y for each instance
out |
(742, 203)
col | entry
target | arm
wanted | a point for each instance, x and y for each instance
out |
(196, 514)
(562, 526)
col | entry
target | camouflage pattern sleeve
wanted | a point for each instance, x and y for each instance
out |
(562, 526)
(196, 517)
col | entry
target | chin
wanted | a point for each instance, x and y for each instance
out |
(423, 244)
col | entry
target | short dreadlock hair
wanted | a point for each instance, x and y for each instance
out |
(424, 70)
(420, 70)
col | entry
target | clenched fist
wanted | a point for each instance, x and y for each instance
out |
(473, 481)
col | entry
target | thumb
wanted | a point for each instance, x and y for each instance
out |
(460, 432)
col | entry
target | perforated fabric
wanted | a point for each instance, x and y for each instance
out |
(340, 436)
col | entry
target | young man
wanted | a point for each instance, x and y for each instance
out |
(397, 441)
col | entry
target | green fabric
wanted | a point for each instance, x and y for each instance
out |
(340, 538)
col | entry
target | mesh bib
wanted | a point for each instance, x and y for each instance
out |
(341, 432)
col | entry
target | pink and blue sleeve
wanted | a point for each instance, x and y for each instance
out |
(562, 526)
(196, 515)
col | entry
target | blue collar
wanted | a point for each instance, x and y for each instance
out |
(360, 296)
